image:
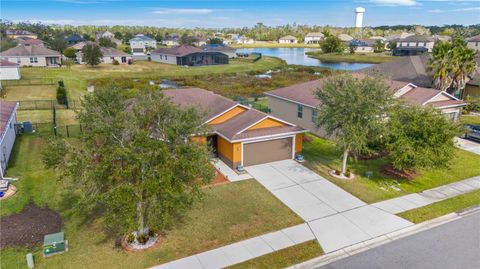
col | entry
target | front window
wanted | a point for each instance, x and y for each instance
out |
(18, 61)
(300, 111)
(124, 59)
(314, 115)
(33, 60)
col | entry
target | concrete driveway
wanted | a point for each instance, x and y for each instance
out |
(468, 145)
(337, 218)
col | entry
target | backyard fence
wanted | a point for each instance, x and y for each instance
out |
(49, 129)
(47, 104)
(29, 82)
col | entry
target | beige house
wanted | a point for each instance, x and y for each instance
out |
(298, 104)
(474, 42)
(417, 41)
(345, 37)
(9, 70)
(109, 56)
(13, 34)
(288, 40)
(313, 38)
(33, 55)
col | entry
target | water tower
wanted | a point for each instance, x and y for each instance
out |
(359, 17)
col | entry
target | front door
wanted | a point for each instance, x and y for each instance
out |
(212, 143)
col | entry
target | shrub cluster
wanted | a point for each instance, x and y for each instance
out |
(61, 93)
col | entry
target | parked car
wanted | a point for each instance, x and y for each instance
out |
(472, 131)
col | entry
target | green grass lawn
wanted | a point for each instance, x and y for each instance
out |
(322, 156)
(64, 116)
(227, 214)
(373, 58)
(285, 257)
(30, 92)
(76, 78)
(470, 119)
(442, 208)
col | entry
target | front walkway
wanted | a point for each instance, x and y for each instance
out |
(468, 145)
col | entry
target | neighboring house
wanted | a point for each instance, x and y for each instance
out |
(474, 42)
(398, 36)
(414, 70)
(244, 40)
(188, 55)
(9, 70)
(414, 45)
(28, 41)
(13, 34)
(288, 40)
(443, 38)
(79, 46)
(74, 39)
(32, 56)
(8, 119)
(231, 52)
(241, 136)
(345, 37)
(109, 35)
(200, 42)
(361, 46)
(171, 41)
(109, 55)
(377, 38)
(314, 38)
(140, 43)
(298, 104)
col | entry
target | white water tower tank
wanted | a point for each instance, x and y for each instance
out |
(359, 17)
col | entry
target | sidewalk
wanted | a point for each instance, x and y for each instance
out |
(340, 234)
(243, 250)
(414, 200)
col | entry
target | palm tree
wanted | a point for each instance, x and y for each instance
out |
(440, 64)
(453, 65)
(464, 66)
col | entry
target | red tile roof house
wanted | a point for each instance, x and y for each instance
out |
(9, 70)
(241, 136)
(298, 104)
(8, 119)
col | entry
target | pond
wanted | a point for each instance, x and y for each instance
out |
(298, 56)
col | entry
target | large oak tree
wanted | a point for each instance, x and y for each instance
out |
(135, 158)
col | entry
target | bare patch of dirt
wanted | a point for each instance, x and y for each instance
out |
(391, 171)
(27, 228)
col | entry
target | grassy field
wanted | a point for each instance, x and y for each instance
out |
(284, 258)
(274, 44)
(470, 119)
(227, 214)
(322, 156)
(76, 78)
(373, 58)
(64, 116)
(442, 208)
(30, 92)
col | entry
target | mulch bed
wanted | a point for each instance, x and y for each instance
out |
(219, 179)
(27, 228)
(391, 171)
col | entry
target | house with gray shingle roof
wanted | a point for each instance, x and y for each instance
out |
(188, 56)
(240, 135)
(288, 39)
(109, 55)
(9, 70)
(141, 43)
(297, 103)
(34, 55)
(313, 38)
(414, 45)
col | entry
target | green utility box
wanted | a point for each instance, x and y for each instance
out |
(54, 244)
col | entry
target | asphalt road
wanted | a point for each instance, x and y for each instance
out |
(454, 245)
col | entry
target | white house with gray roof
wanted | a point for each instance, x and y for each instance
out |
(141, 43)
(474, 42)
(109, 56)
(314, 38)
(34, 55)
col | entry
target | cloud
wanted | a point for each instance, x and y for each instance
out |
(395, 2)
(466, 9)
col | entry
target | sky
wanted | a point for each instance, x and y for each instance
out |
(241, 13)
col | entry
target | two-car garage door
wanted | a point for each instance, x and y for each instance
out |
(267, 151)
